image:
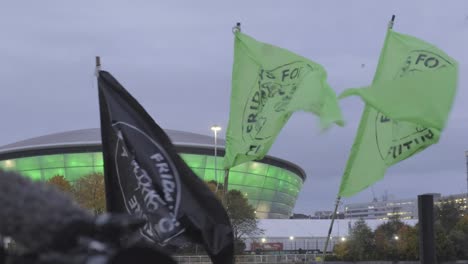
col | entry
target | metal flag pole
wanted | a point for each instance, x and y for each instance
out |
(390, 24)
(236, 28)
(226, 181)
(338, 198)
(107, 187)
(98, 65)
(215, 129)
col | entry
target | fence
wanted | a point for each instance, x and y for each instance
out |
(253, 259)
(289, 258)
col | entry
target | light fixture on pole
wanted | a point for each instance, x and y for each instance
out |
(215, 129)
(292, 238)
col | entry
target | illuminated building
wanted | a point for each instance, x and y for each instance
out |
(403, 208)
(271, 184)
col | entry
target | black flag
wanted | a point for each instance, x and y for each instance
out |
(145, 176)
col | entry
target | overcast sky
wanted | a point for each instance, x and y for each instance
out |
(176, 59)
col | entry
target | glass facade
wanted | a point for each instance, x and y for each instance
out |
(271, 190)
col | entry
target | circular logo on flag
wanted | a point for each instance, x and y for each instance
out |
(399, 140)
(266, 110)
(149, 182)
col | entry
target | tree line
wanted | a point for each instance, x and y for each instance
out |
(89, 192)
(397, 241)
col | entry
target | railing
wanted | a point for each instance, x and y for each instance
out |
(253, 259)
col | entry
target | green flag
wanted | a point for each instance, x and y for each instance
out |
(268, 85)
(406, 109)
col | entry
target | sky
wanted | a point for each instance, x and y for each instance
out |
(176, 58)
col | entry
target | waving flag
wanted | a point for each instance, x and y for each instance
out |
(144, 176)
(407, 107)
(268, 85)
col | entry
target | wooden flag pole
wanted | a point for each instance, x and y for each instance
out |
(338, 198)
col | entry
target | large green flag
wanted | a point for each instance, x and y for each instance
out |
(406, 109)
(268, 85)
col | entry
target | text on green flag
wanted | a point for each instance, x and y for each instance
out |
(268, 85)
(407, 107)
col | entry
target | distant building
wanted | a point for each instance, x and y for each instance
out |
(300, 216)
(327, 215)
(460, 199)
(403, 208)
(307, 235)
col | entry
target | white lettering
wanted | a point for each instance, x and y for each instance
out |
(168, 187)
(163, 167)
(145, 185)
(158, 157)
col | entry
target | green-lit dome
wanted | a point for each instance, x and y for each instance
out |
(271, 184)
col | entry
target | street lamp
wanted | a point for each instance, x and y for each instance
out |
(343, 239)
(263, 240)
(215, 129)
(292, 238)
(396, 237)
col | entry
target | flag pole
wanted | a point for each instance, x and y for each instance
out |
(338, 197)
(390, 24)
(236, 28)
(226, 182)
(107, 187)
(98, 65)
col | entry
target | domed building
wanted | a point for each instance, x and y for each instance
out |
(271, 184)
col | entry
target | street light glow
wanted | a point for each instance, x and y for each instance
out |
(291, 238)
(216, 128)
(263, 240)
(396, 237)
(343, 239)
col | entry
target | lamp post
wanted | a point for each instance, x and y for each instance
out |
(292, 238)
(215, 129)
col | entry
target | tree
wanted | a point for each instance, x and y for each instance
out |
(449, 239)
(89, 192)
(408, 243)
(387, 239)
(242, 215)
(459, 236)
(360, 244)
(341, 251)
(363, 246)
(61, 183)
(216, 188)
(448, 213)
(444, 246)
